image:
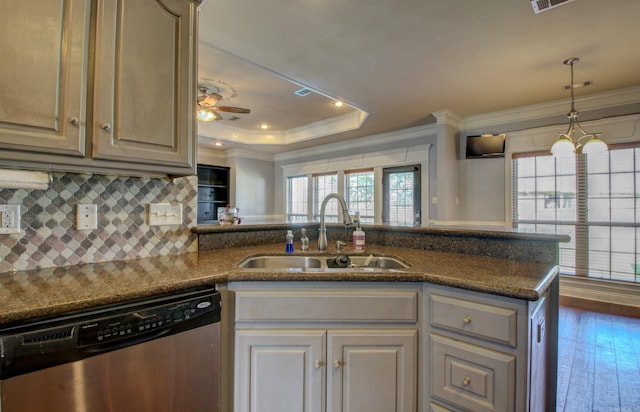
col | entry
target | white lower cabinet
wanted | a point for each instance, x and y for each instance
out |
(280, 370)
(487, 353)
(299, 352)
(291, 371)
(385, 347)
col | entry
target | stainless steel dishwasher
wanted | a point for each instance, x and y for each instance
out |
(156, 354)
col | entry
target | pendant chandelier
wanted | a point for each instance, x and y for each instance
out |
(576, 138)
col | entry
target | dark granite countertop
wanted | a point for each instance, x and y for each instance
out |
(441, 230)
(48, 292)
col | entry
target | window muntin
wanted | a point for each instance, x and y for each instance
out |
(324, 184)
(597, 203)
(360, 193)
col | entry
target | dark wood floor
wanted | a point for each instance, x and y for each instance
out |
(598, 362)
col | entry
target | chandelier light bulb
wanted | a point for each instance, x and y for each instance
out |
(576, 137)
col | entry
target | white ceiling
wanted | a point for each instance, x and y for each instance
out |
(397, 61)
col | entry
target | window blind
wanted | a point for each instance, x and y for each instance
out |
(401, 195)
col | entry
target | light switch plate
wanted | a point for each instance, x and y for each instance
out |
(86, 216)
(9, 219)
(164, 214)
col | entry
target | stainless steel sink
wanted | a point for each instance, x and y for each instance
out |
(382, 262)
(323, 263)
(281, 262)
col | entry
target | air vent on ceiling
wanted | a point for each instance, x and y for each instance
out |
(305, 91)
(543, 5)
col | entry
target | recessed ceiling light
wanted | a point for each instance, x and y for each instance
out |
(264, 126)
(338, 103)
(218, 144)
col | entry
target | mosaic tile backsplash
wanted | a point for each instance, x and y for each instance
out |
(49, 238)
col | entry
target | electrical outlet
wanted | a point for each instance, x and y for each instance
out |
(86, 217)
(9, 219)
(162, 214)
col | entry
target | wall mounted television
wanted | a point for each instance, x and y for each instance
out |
(485, 146)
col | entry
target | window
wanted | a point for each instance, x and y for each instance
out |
(594, 199)
(297, 198)
(359, 193)
(401, 197)
(324, 184)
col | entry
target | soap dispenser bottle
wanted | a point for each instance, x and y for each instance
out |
(304, 241)
(289, 244)
(358, 239)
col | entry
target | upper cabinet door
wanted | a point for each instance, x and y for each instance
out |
(44, 46)
(144, 99)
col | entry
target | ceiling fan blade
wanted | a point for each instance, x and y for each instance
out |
(232, 109)
(211, 99)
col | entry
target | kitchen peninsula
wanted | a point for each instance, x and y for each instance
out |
(506, 281)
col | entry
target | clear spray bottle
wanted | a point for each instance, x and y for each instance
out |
(304, 241)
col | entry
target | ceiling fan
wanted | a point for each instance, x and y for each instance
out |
(208, 98)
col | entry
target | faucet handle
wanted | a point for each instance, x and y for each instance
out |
(339, 245)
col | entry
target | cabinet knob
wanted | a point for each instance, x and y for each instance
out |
(74, 121)
(338, 363)
(320, 364)
(466, 381)
(466, 320)
(105, 126)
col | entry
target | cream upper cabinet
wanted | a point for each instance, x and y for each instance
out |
(143, 104)
(115, 92)
(43, 76)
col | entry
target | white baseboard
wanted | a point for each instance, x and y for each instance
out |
(619, 293)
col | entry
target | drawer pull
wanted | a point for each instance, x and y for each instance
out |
(466, 381)
(467, 320)
(105, 126)
(319, 364)
(338, 363)
(74, 121)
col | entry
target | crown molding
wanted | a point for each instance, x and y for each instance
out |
(334, 125)
(358, 143)
(619, 97)
(207, 155)
(448, 118)
(399, 156)
(249, 154)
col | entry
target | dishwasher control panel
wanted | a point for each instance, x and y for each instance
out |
(149, 320)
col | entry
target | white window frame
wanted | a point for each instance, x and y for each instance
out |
(376, 160)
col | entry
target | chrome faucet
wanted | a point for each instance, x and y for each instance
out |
(322, 238)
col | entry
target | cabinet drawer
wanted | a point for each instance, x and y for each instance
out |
(476, 319)
(327, 306)
(472, 377)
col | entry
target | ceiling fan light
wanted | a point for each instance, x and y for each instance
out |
(207, 115)
(563, 146)
(594, 145)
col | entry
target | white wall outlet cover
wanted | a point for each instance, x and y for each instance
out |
(86, 216)
(165, 214)
(9, 219)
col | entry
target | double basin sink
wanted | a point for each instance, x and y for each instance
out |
(342, 263)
